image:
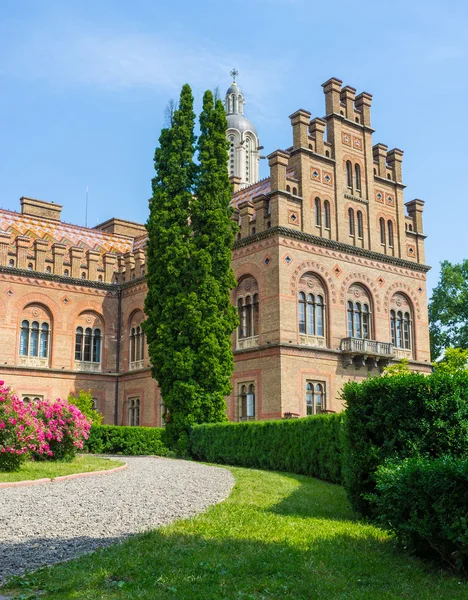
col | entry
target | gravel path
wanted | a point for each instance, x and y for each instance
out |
(49, 523)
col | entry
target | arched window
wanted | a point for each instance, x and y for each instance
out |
(83, 275)
(247, 401)
(248, 309)
(357, 176)
(327, 153)
(66, 273)
(11, 263)
(382, 231)
(360, 226)
(351, 221)
(134, 412)
(288, 188)
(294, 191)
(349, 174)
(100, 278)
(137, 341)
(326, 214)
(34, 340)
(359, 313)
(318, 212)
(390, 234)
(88, 345)
(401, 325)
(48, 270)
(311, 308)
(315, 398)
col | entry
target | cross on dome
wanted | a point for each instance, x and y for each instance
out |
(234, 73)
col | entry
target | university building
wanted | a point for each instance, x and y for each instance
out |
(329, 263)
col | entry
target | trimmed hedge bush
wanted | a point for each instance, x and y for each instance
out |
(425, 503)
(115, 439)
(400, 417)
(308, 446)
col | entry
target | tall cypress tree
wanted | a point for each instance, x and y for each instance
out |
(213, 237)
(169, 295)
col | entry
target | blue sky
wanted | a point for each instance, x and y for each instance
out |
(85, 83)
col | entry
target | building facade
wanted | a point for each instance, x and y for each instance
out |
(330, 269)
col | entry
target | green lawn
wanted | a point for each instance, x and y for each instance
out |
(40, 470)
(277, 536)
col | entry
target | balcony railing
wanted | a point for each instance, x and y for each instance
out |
(366, 350)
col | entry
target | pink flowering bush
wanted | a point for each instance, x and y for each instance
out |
(20, 431)
(65, 428)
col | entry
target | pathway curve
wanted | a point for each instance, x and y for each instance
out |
(45, 524)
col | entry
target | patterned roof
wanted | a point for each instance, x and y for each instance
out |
(261, 187)
(64, 233)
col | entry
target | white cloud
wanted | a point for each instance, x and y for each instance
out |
(121, 60)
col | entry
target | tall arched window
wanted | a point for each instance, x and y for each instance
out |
(326, 214)
(34, 339)
(382, 231)
(357, 177)
(349, 174)
(318, 212)
(247, 401)
(360, 225)
(134, 412)
(315, 398)
(351, 221)
(248, 311)
(390, 234)
(359, 313)
(401, 323)
(311, 310)
(137, 341)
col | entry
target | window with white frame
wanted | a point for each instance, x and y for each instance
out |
(401, 323)
(35, 336)
(88, 342)
(315, 397)
(248, 311)
(359, 313)
(311, 310)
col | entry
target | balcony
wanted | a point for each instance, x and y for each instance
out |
(248, 342)
(369, 352)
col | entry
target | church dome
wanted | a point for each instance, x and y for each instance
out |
(241, 123)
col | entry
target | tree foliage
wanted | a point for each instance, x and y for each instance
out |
(455, 361)
(190, 236)
(84, 402)
(448, 308)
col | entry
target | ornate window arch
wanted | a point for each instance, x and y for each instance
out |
(359, 312)
(312, 310)
(136, 341)
(89, 342)
(35, 336)
(401, 325)
(247, 300)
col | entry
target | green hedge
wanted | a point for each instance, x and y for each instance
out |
(400, 417)
(309, 446)
(113, 439)
(425, 503)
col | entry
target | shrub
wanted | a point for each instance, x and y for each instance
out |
(309, 446)
(65, 428)
(20, 431)
(398, 417)
(425, 503)
(84, 402)
(114, 439)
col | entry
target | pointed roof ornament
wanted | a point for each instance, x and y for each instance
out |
(234, 73)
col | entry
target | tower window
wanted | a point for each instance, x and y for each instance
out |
(349, 174)
(382, 231)
(351, 221)
(360, 226)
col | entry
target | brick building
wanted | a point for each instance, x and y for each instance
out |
(330, 270)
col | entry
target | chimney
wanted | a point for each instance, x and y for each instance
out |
(40, 247)
(394, 159)
(415, 211)
(317, 131)
(92, 257)
(22, 245)
(5, 240)
(236, 183)
(380, 156)
(40, 208)
(363, 104)
(109, 266)
(261, 209)
(76, 254)
(246, 210)
(348, 96)
(278, 163)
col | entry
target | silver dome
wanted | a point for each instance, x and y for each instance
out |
(234, 89)
(241, 123)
